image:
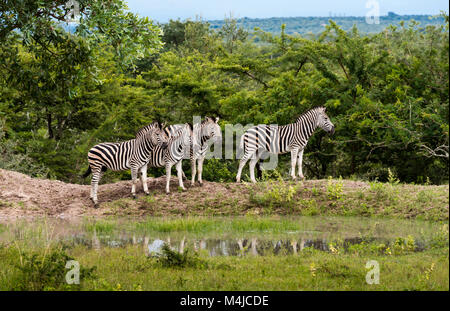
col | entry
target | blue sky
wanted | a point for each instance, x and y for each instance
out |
(163, 10)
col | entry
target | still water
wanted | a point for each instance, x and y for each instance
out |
(226, 237)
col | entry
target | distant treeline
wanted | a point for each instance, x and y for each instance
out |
(315, 25)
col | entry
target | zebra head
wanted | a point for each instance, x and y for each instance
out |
(210, 129)
(324, 122)
(156, 136)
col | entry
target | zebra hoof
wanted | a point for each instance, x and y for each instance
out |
(200, 184)
(96, 205)
(134, 196)
(147, 192)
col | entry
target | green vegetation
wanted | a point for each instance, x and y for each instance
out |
(129, 269)
(64, 89)
(276, 197)
(38, 263)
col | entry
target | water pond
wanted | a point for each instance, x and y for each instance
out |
(236, 236)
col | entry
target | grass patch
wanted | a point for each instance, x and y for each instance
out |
(129, 269)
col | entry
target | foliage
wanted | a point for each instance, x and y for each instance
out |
(173, 259)
(46, 271)
(64, 89)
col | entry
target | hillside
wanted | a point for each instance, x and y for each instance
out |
(24, 197)
(315, 25)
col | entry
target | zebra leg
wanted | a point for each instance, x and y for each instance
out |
(180, 174)
(300, 162)
(253, 162)
(193, 170)
(96, 175)
(294, 153)
(168, 172)
(200, 169)
(134, 173)
(241, 166)
(258, 170)
(144, 179)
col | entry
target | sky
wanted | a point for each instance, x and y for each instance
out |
(163, 10)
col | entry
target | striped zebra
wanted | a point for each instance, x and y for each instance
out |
(171, 154)
(203, 134)
(282, 139)
(131, 154)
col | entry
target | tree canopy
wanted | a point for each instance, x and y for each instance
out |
(65, 87)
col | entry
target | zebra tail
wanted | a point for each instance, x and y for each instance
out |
(88, 172)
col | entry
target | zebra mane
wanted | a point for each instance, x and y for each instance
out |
(308, 112)
(208, 119)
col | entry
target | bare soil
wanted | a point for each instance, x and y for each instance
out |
(22, 196)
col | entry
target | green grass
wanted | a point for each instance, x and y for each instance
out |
(129, 269)
(32, 255)
(332, 197)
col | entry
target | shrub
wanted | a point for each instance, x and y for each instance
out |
(173, 259)
(39, 272)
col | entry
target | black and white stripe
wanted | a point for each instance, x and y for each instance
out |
(203, 135)
(131, 154)
(282, 139)
(177, 148)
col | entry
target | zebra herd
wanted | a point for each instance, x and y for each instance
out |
(156, 145)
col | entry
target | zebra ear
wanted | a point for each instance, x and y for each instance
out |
(217, 119)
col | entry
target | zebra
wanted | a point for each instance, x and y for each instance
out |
(131, 154)
(203, 135)
(282, 139)
(176, 148)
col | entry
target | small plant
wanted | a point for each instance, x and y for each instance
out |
(46, 272)
(173, 259)
(312, 269)
(384, 191)
(335, 189)
(392, 177)
(309, 207)
(315, 192)
(440, 238)
(275, 194)
(402, 246)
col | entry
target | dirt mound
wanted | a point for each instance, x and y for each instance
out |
(22, 196)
